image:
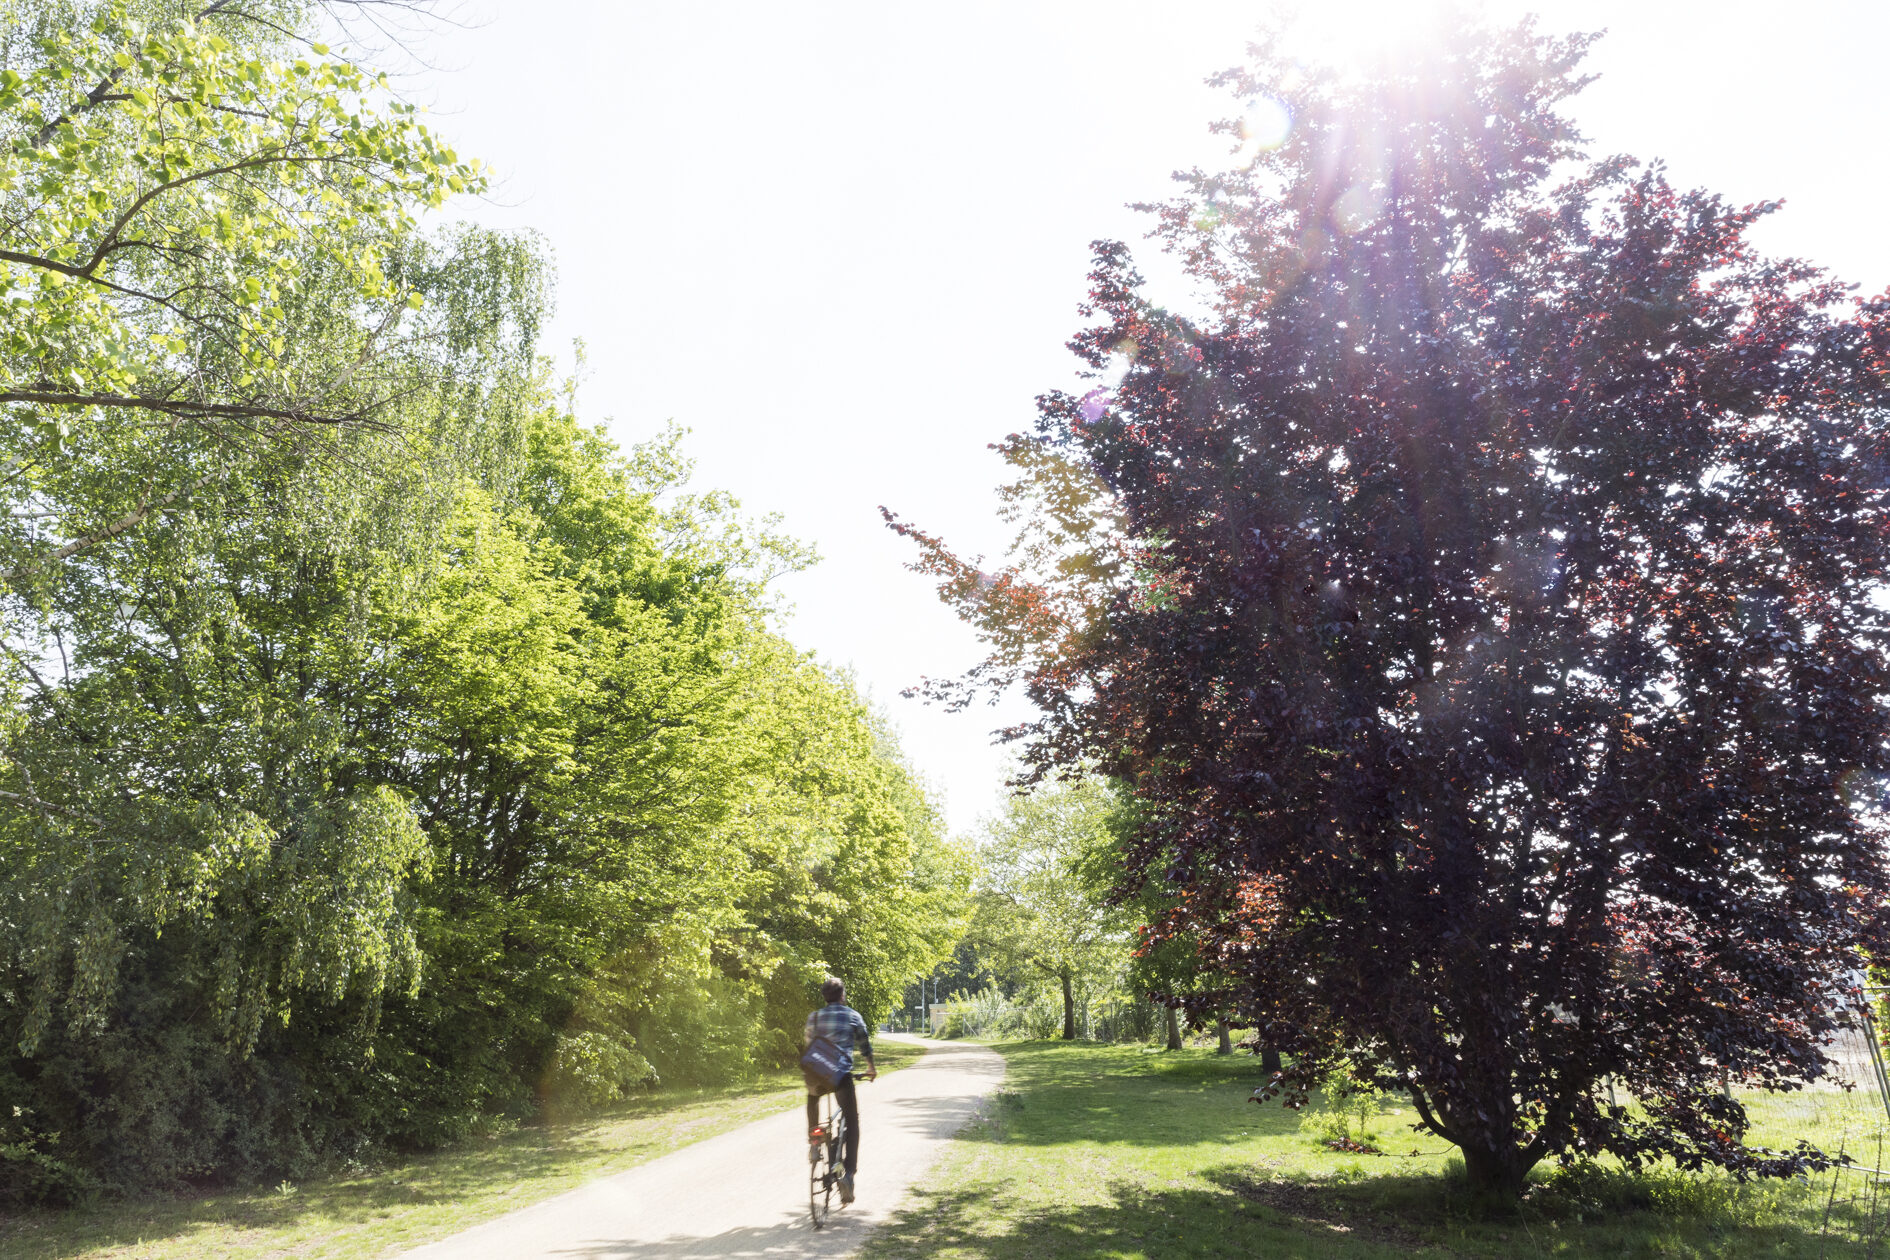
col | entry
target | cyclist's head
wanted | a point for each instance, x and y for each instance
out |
(833, 989)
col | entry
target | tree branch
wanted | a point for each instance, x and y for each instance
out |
(274, 157)
(33, 802)
(102, 90)
(130, 520)
(1431, 1122)
(181, 407)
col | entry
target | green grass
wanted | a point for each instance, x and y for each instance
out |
(1117, 1152)
(406, 1203)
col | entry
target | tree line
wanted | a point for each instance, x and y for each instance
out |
(385, 752)
(1053, 947)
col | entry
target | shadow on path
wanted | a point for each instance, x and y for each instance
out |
(791, 1239)
(744, 1192)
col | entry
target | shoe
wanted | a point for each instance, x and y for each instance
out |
(846, 1189)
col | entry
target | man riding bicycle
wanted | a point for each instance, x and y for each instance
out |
(842, 1025)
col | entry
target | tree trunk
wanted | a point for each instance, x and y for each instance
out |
(1269, 1059)
(1069, 1010)
(1227, 1042)
(1174, 1028)
(1497, 1173)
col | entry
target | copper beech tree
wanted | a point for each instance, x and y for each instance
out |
(1482, 600)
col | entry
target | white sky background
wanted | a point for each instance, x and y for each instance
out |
(844, 243)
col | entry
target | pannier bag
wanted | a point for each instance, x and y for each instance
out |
(821, 1066)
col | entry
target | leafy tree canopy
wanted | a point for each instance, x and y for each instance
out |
(210, 260)
(382, 750)
(1482, 601)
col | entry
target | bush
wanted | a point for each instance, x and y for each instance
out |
(32, 1170)
(589, 1069)
(1042, 1016)
(1346, 1115)
(695, 1030)
(1035, 1014)
(984, 1014)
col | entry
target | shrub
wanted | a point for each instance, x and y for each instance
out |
(1346, 1115)
(1042, 1016)
(32, 1170)
(589, 1069)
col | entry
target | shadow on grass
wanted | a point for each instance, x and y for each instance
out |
(489, 1175)
(1183, 1224)
(1163, 1132)
(1089, 1091)
(1590, 1210)
(482, 1177)
(1377, 1218)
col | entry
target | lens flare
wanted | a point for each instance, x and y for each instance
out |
(1264, 127)
(1358, 207)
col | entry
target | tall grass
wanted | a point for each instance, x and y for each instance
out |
(1035, 1013)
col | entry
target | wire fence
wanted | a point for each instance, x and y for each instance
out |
(1848, 1108)
(1846, 1115)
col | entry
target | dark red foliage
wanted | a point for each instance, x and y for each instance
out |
(1484, 606)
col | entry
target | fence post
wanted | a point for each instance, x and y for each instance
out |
(1869, 1021)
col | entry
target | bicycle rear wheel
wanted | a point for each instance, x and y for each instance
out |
(823, 1173)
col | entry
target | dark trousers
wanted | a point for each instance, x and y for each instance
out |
(850, 1112)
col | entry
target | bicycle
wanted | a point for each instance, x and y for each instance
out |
(826, 1159)
(824, 1167)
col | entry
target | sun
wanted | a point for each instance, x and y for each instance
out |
(1352, 36)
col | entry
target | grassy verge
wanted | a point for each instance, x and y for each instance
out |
(406, 1203)
(1114, 1151)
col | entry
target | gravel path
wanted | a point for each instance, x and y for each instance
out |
(744, 1193)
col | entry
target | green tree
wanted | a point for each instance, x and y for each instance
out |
(381, 749)
(860, 880)
(539, 817)
(741, 826)
(209, 258)
(1037, 909)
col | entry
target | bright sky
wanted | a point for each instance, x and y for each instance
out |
(844, 243)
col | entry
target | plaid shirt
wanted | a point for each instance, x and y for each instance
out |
(842, 1025)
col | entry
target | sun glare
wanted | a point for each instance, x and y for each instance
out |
(1352, 37)
(1355, 36)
